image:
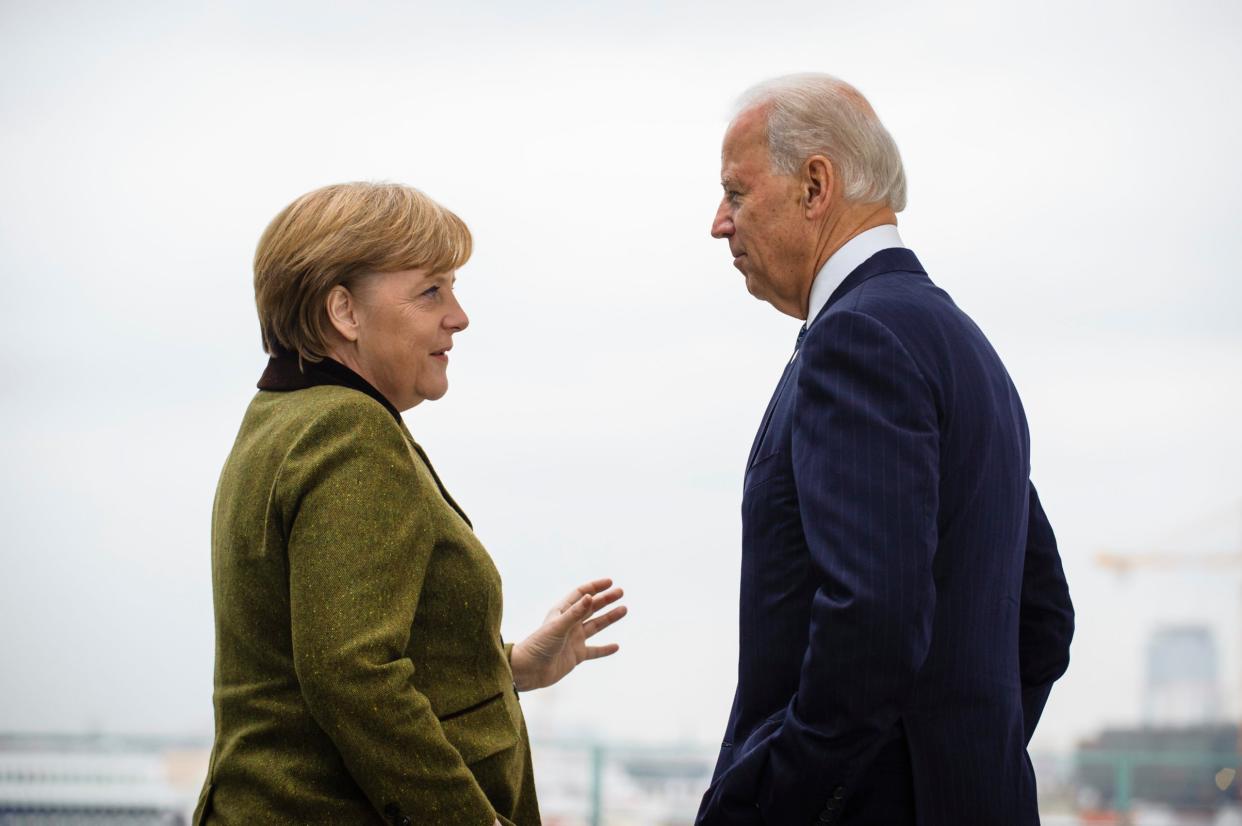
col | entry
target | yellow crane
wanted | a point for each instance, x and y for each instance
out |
(1125, 563)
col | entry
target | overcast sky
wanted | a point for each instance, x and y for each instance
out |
(1074, 184)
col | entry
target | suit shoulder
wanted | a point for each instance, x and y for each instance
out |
(908, 304)
(325, 417)
(886, 305)
(896, 293)
(330, 406)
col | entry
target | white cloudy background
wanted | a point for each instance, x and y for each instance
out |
(1075, 184)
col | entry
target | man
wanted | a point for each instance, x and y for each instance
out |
(903, 608)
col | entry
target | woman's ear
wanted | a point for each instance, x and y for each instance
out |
(343, 312)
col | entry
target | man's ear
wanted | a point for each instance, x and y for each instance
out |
(818, 182)
(343, 312)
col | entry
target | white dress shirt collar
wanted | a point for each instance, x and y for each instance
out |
(845, 260)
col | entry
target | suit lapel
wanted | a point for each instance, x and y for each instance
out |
(440, 485)
(767, 414)
(897, 259)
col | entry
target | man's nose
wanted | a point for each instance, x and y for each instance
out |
(722, 225)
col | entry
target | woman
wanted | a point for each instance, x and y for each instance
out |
(360, 673)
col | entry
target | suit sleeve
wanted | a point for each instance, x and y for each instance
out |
(866, 466)
(1046, 621)
(360, 537)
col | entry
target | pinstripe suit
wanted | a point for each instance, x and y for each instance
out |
(903, 608)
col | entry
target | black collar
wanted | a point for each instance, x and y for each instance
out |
(283, 373)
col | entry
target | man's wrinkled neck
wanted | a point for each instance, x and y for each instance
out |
(838, 229)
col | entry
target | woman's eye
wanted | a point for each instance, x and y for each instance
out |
(431, 292)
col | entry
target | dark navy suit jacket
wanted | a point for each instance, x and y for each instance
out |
(903, 607)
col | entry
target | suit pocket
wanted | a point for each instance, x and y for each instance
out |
(763, 731)
(763, 469)
(482, 730)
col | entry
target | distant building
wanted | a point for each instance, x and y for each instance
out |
(70, 780)
(1175, 767)
(1183, 680)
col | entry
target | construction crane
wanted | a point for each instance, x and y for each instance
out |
(1126, 563)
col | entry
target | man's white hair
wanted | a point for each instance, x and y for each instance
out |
(817, 114)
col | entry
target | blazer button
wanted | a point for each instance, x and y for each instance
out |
(825, 817)
(393, 812)
(838, 793)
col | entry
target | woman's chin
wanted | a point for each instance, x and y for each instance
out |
(431, 394)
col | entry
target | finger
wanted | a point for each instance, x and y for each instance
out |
(595, 585)
(592, 587)
(607, 598)
(572, 614)
(592, 627)
(594, 652)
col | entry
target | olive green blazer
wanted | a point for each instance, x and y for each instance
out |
(360, 674)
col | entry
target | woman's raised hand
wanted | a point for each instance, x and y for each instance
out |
(560, 644)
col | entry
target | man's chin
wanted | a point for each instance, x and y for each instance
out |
(752, 287)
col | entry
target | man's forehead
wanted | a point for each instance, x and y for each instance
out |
(746, 127)
(745, 141)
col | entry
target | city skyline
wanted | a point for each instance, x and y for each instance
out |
(603, 400)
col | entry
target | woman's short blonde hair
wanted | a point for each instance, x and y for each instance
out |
(336, 235)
